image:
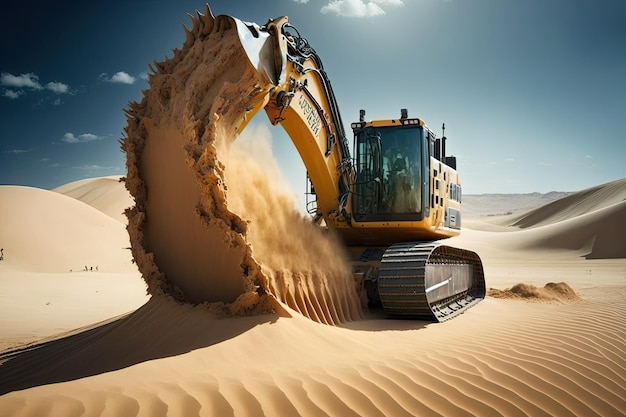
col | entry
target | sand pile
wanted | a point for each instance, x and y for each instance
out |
(208, 227)
(560, 292)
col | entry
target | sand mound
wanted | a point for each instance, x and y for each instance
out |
(44, 231)
(207, 227)
(561, 292)
(106, 194)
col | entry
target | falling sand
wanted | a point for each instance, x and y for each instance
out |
(210, 225)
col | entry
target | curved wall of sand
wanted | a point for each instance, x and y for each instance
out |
(193, 235)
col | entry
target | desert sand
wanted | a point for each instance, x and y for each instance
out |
(48, 240)
(216, 297)
(109, 350)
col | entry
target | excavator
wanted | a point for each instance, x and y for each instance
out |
(392, 201)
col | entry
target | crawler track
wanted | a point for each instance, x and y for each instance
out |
(429, 281)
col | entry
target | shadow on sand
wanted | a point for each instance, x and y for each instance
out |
(376, 320)
(159, 329)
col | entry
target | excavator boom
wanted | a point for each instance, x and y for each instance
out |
(302, 101)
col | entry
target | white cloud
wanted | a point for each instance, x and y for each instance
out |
(57, 87)
(29, 80)
(119, 77)
(12, 93)
(359, 8)
(85, 137)
(301, 1)
(123, 78)
(389, 2)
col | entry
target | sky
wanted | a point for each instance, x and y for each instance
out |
(532, 92)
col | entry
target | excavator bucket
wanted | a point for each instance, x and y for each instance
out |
(264, 47)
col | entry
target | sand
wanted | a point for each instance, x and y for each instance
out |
(506, 356)
(229, 311)
(48, 239)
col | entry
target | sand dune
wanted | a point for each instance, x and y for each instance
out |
(44, 231)
(48, 239)
(103, 193)
(587, 222)
(574, 205)
(502, 357)
(595, 232)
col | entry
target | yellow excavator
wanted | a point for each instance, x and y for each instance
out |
(392, 201)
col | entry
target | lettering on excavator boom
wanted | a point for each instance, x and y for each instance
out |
(312, 118)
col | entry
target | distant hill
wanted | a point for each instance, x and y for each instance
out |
(478, 205)
(591, 221)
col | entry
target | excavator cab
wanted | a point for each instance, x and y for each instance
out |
(392, 170)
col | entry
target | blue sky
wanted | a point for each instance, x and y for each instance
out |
(533, 92)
